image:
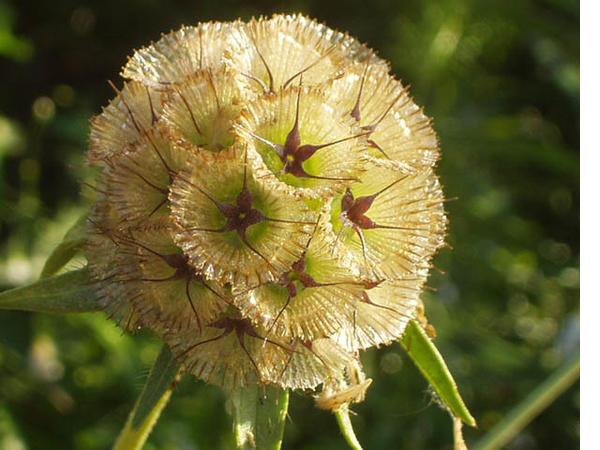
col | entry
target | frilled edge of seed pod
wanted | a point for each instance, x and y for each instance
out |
(125, 120)
(179, 54)
(101, 246)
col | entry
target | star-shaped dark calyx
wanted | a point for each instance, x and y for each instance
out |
(354, 212)
(295, 281)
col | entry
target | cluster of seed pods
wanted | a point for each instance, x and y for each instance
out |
(265, 202)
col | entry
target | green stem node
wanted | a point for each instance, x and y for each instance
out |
(343, 419)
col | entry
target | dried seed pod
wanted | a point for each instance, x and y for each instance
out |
(230, 352)
(179, 54)
(382, 314)
(266, 203)
(126, 119)
(271, 54)
(398, 132)
(199, 112)
(304, 142)
(170, 294)
(312, 363)
(234, 228)
(137, 181)
(392, 223)
(316, 298)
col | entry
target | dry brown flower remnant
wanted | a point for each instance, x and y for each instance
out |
(266, 203)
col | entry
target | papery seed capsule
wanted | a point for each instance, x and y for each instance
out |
(382, 314)
(304, 141)
(266, 202)
(398, 132)
(391, 222)
(231, 352)
(312, 363)
(126, 119)
(138, 180)
(271, 54)
(170, 294)
(234, 228)
(316, 298)
(179, 54)
(199, 112)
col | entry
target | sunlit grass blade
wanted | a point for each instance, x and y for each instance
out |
(343, 419)
(259, 414)
(71, 244)
(536, 402)
(150, 403)
(71, 292)
(431, 364)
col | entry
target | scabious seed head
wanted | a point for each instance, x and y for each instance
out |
(266, 203)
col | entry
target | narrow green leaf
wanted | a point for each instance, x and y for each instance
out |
(149, 405)
(531, 406)
(160, 380)
(71, 292)
(72, 243)
(259, 414)
(343, 419)
(431, 364)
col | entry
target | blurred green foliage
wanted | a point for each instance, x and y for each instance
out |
(500, 79)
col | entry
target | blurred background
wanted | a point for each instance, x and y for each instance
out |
(500, 79)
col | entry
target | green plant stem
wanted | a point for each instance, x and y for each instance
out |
(343, 419)
(259, 414)
(150, 403)
(531, 407)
